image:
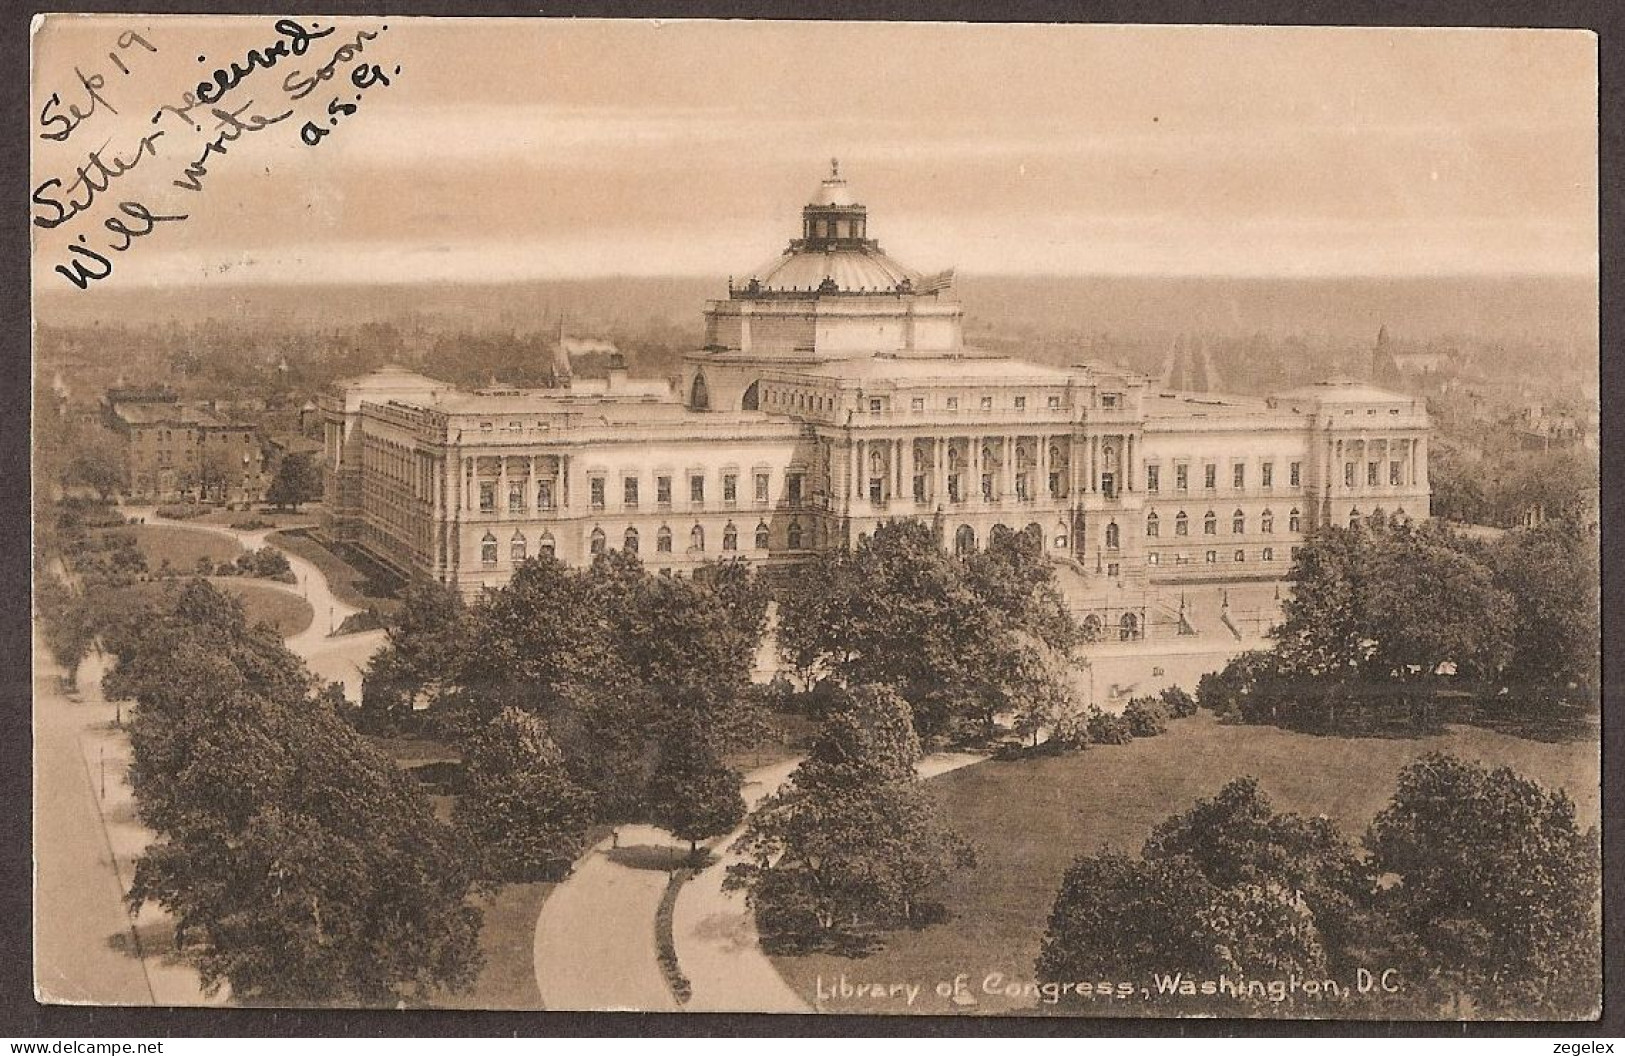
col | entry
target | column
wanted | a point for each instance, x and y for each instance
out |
(564, 481)
(1422, 461)
(1043, 469)
(470, 485)
(900, 447)
(1128, 467)
(974, 485)
(1008, 491)
(1094, 464)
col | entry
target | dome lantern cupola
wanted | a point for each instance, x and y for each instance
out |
(832, 220)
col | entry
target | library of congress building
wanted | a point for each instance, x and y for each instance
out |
(833, 392)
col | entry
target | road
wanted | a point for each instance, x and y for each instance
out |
(87, 835)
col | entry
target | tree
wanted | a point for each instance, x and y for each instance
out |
(97, 461)
(519, 806)
(1496, 890)
(694, 797)
(1230, 886)
(854, 843)
(298, 480)
(300, 864)
(1554, 574)
(426, 644)
(66, 624)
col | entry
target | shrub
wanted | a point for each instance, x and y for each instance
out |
(1105, 728)
(266, 563)
(1145, 717)
(252, 525)
(1179, 702)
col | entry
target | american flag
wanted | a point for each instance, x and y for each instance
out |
(939, 281)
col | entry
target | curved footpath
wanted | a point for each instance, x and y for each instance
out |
(595, 946)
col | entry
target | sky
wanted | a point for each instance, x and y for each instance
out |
(525, 149)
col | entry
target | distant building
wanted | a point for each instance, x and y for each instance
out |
(834, 391)
(177, 450)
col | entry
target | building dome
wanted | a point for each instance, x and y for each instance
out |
(834, 254)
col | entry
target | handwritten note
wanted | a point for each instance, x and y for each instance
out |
(117, 172)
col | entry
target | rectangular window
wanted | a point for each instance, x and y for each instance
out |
(874, 406)
(597, 493)
(1348, 474)
(1295, 474)
(1182, 478)
(1210, 476)
(516, 498)
(987, 403)
(1112, 568)
(1021, 403)
(1393, 473)
(1108, 400)
(1238, 476)
(1153, 558)
(629, 494)
(1266, 474)
(953, 403)
(1054, 402)
(1153, 478)
(663, 490)
(730, 487)
(919, 487)
(792, 488)
(761, 487)
(696, 488)
(488, 496)
(544, 495)
(917, 404)
(1371, 473)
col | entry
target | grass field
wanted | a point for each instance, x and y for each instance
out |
(181, 546)
(288, 613)
(1030, 817)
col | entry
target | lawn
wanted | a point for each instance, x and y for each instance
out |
(180, 546)
(507, 980)
(365, 586)
(288, 613)
(1030, 817)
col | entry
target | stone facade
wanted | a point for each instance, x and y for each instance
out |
(834, 392)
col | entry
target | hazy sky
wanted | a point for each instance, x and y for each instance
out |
(522, 149)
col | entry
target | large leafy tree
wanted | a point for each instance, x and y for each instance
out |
(298, 480)
(519, 806)
(694, 796)
(854, 843)
(1496, 891)
(1553, 573)
(300, 864)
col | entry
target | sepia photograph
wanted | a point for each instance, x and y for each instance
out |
(890, 518)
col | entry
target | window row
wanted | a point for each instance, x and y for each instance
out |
(631, 541)
(1373, 473)
(1210, 476)
(1210, 523)
(917, 404)
(1211, 557)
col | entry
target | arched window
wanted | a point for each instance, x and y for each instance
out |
(545, 545)
(1152, 526)
(630, 541)
(696, 538)
(964, 539)
(1092, 628)
(1182, 524)
(488, 549)
(1210, 523)
(1212, 557)
(596, 541)
(877, 465)
(761, 536)
(1354, 517)
(1267, 554)
(516, 548)
(663, 540)
(753, 398)
(1112, 539)
(1241, 555)
(1266, 522)
(1238, 523)
(698, 397)
(793, 535)
(1294, 521)
(1128, 628)
(730, 537)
